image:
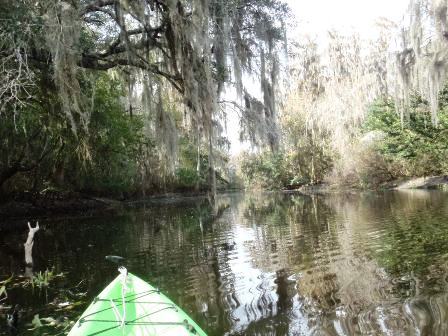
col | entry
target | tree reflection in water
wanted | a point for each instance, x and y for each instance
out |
(265, 264)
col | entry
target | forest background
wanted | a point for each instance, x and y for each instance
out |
(130, 98)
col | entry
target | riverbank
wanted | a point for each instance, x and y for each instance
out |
(54, 203)
(427, 182)
(33, 206)
(67, 203)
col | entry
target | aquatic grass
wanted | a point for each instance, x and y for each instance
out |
(3, 292)
(42, 279)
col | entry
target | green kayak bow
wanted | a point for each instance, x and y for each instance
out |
(130, 306)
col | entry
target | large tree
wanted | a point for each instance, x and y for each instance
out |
(188, 43)
(194, 45)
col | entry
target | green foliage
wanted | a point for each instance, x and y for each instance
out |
(115, 154)
(416, 146)
(387, 149)
(186, 178)
(115, 141)
(193, 175)
(42, 279)
(305, 157)
(279, 170)
(266, 170)
(39, 150)
(63, 123)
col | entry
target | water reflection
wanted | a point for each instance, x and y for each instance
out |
(264, 264)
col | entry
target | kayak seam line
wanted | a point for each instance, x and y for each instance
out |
(130, 322)
(81, 320)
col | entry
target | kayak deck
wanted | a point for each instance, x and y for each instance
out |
(135, 309)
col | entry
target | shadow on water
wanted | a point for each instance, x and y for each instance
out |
(263, 264)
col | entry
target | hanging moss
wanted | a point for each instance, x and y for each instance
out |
(62, 36)
(175, 51)
(422, 62)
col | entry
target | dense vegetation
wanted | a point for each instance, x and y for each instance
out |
(385, 149)
(361, 112)
(129, 98)
(415, 148)
(124, 97)
(40, 152)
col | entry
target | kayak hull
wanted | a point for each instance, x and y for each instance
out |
(131, 306)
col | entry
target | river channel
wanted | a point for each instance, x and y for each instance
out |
(262, 264)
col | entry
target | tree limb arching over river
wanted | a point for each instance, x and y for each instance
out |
(160, 55)
(134, 107)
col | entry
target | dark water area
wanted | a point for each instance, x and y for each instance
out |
(268, 264)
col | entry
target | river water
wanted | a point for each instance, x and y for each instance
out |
(266, 264)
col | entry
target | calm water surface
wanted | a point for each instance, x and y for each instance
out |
(268, 264)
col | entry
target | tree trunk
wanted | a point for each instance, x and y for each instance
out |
(212, 174)
(198, 163)
(313, 170)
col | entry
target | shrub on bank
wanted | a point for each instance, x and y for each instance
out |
(411, 148)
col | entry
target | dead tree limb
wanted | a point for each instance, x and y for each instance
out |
(29, 244)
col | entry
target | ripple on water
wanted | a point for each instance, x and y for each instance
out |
(271, 264)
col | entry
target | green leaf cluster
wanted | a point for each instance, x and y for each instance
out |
(414, 144)
(39, 150)
(266, 170)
